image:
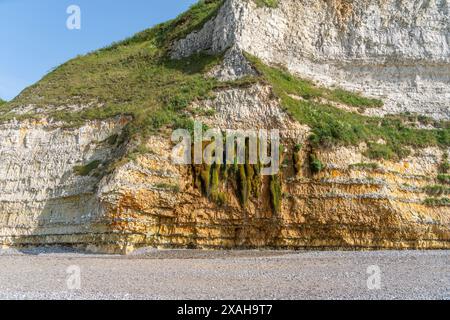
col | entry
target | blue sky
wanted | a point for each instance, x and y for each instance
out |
(34, 37)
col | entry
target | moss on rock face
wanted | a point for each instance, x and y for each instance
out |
(437, 202)
(275, 193)
(266, 3)
(215, 181)
(437, 190)
(378, 151)
(254, 179)
(315, 164)
(444, 178)
(243, 189)
(297, 158)
(444, 167)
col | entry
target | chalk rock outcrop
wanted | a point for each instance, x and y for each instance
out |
(53, 190)
(396, 50)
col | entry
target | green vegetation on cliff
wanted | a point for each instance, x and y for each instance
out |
(333, 126)
(2, 101)
(315, 164)
(444, 178)
(87, 169)
(444, 167)
(437, 190)
(365, 166)
(275, 193)
(214, 180)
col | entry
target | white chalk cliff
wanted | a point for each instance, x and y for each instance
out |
(394, 50)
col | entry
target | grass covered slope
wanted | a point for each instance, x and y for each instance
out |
(133, 77)
(334, 126)
(2, 102)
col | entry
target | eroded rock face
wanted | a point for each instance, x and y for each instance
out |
(251, 108)
(396, 50)
(157, 204)
(152, 202)
(149, 201)
(42, 199)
